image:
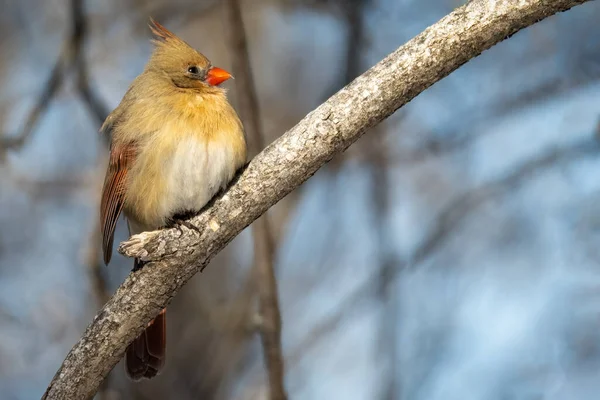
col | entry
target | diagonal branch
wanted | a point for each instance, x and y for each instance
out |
(268, 302)
(284, 165)
(50, 89)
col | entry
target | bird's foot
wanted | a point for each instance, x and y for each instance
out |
(138, 264)
(178, 222)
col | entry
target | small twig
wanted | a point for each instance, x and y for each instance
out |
(266, 282)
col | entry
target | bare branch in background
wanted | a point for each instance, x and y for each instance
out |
(68, 185)
(451, 140)
(266, 282)
(364, 293)
(99, 111)
(175, 256)
(79, 30)
(49, 91)
(329, 324)
(379, 167)
(72, 53)
(455, 213)
(352, 13)
(377, 157)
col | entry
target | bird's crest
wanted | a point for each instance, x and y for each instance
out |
(161, 34)
(172, 53)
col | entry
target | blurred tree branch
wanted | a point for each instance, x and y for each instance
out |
(72, 54)
(174, 256)
(79, 30)
(377, 157)
(266, 282)
(50, 88)
(352, 12)
(451, 140)
(458, 210)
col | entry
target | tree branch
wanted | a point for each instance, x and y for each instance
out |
(284, 165)
(268, 302)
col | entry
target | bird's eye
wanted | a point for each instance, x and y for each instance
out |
(193, 70)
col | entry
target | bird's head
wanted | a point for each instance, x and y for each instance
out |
(182, 64)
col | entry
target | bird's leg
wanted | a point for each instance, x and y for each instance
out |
(138, 264)
(187, 224)
(180, 219)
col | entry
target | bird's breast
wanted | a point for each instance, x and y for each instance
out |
(191, 148)
(197, 170)
(181, 174)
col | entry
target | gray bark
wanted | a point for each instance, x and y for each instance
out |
(284, 165)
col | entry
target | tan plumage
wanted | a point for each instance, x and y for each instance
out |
(176, 141)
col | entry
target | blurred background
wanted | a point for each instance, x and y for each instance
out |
(451, 254)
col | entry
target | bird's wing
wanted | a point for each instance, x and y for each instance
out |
(113, 193)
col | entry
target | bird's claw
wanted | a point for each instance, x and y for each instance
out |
(179, 222)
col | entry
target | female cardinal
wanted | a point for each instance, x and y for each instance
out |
(176, 141)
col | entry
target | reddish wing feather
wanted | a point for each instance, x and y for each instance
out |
(113, 193)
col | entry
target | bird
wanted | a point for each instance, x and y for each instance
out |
(175, 142)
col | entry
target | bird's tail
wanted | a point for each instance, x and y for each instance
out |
(145, 356)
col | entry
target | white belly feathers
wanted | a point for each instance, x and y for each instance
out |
(197, 171)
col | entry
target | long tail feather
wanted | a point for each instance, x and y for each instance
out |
(145, 356)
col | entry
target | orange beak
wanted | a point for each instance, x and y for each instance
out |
(216, 76)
